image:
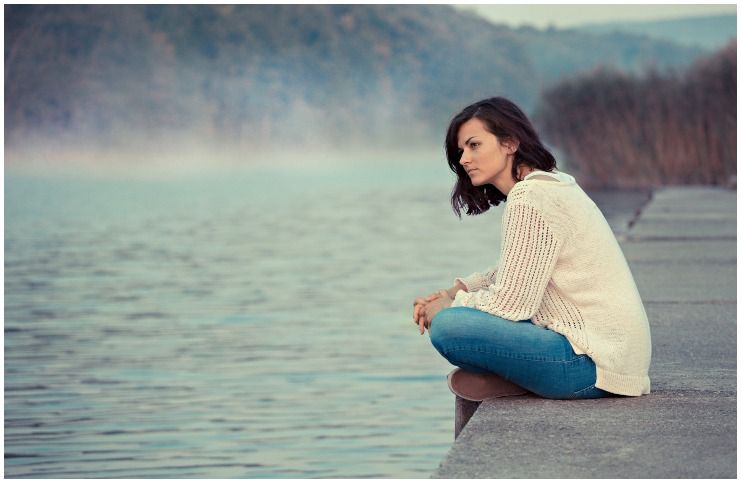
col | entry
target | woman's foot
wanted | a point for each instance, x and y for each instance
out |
(475, 386)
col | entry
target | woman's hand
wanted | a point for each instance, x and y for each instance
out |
(435, 306)
(431, 308)
(420, 303)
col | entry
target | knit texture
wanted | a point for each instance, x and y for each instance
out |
(561, 266)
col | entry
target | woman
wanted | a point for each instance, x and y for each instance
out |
(560, 316)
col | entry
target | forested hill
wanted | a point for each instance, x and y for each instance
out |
(258, 73)
(710, 32)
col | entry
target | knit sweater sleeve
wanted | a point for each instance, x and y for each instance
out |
(530, 250)
(477, 281)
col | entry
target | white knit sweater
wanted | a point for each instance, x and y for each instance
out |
(561, 266)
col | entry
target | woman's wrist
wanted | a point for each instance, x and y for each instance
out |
(452, 291)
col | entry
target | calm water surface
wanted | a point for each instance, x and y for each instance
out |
(252, 325)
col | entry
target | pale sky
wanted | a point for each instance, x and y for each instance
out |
(562, 15)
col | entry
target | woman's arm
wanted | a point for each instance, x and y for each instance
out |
(530, 250)
(457, 287)
(476, 281)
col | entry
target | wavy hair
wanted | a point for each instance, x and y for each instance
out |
(508, 123)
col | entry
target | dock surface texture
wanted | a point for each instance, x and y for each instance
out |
(680, 243)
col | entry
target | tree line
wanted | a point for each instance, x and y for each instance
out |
(619, 130)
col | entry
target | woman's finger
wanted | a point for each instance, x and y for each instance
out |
(419, 309)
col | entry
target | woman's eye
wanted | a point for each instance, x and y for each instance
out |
(474, 144)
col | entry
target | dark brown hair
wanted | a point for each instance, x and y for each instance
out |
(508, 123)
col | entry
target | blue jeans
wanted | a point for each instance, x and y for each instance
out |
(533, 357)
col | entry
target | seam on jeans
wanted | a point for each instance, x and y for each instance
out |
(582, 391)
(511, 355)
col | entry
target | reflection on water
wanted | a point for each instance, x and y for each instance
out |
(250, 326)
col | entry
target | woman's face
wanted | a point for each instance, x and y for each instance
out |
(484, 158)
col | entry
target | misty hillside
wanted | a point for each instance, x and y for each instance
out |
(292, 74)
(558, 53)
(711, 32)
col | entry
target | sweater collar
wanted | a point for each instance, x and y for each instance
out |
(559, 175)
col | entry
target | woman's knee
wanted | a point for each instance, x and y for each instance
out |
(445, 325)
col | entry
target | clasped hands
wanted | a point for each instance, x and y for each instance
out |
(425, 308)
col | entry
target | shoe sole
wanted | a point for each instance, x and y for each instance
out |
(480, 387)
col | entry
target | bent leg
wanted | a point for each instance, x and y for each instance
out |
(533, 357)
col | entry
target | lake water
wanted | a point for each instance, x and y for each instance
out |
(255, 325)
(251, 325)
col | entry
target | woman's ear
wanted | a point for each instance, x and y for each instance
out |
(512, 145)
